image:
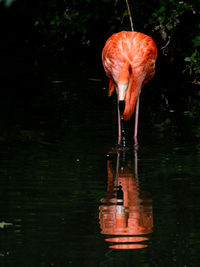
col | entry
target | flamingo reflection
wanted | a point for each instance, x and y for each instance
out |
(126, 213)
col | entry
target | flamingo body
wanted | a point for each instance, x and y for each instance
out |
(129, 62)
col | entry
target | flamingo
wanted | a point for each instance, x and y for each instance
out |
(129, 59)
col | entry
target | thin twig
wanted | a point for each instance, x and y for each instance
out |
(166, 45)
(130, 17)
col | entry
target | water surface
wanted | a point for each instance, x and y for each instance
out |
(67, 197)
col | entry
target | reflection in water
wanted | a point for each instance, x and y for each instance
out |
(126, 211)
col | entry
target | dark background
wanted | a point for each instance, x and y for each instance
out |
(58, 129)
(52, 40)
(77, 30)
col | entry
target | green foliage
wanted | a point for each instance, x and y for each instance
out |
(169, 16)
(62, 20)
(193, 61)
(86, 20)
(196, 41)
(7, 3)
(4, 224)
(57, 24)
(177, 24)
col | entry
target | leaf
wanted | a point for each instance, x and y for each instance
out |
(196, 41)
(187, 59)
(3, 224)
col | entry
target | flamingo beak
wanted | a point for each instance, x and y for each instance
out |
(122, 91)
(121, 107)
(121, 97)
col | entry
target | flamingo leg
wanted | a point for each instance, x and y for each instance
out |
(136, 121)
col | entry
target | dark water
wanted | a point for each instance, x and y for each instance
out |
(67, 198)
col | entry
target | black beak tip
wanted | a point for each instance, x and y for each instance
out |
(121, 106)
